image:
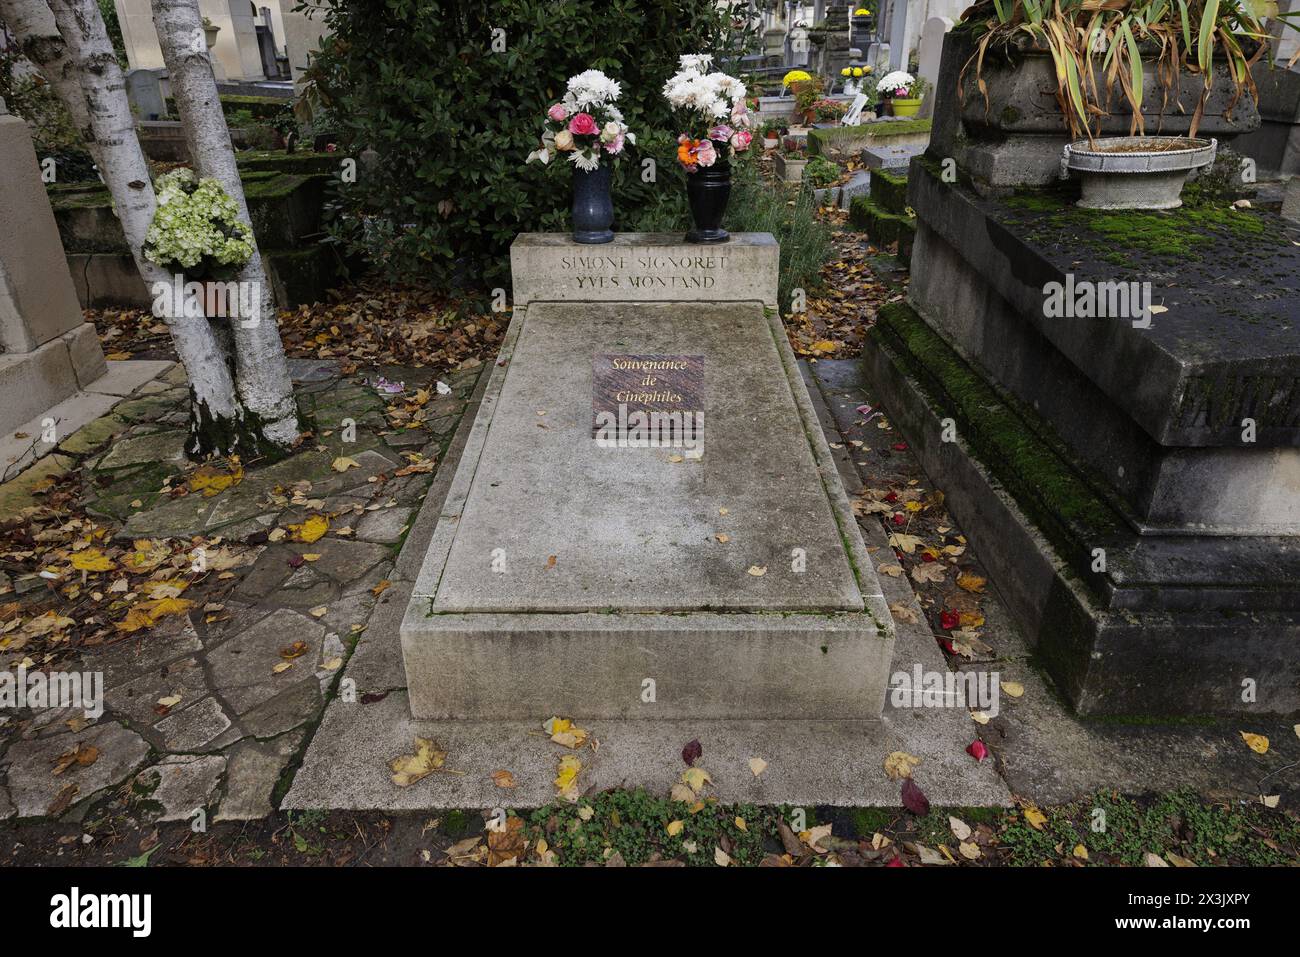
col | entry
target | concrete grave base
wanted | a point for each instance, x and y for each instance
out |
(724, 581)
(836, 763)
(809, 763)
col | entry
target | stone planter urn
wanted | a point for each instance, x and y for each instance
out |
(1016, 137)
(1135, 172)
(210, 35)
(790, 168)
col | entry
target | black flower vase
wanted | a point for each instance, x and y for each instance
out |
(708, 189)
(593, 209)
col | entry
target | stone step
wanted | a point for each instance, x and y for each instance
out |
(889, 190)
(841, 196)
(882, 227)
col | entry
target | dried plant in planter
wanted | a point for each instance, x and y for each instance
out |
(1100, 47)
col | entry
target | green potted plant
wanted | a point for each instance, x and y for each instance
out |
(903, 90)
(829, 112)
(806, 94)
(771, 132)
(1109, 72)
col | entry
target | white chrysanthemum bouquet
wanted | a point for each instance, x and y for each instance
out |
(897, 84)
(196, 228)
(712, 106)
(585, 124)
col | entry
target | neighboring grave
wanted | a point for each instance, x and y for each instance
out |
(1110, 401)
(144, 89)
(722, 576)
(929, 55)
(47, 350)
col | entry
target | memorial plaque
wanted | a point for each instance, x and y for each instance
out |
(654, 397)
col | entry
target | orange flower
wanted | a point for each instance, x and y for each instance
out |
(686, 152)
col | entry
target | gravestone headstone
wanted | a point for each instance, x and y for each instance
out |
(144, 90)
(929, 55)
(1291, 200)
(717, 568)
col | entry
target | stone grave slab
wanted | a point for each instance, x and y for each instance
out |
(890, 157)
(565, 573)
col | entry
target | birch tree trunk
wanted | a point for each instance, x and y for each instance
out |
(215, 417)
(32, 23)
(261, 372)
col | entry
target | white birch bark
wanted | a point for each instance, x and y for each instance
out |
(32, 23)
(261, 372)
(214, 415)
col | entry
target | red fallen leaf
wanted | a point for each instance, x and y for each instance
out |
(900, 446)
(948, 620)
(896, 861)
(913, 798)
(297, 561)
(946, 644)
(977, 750)
(692, 752)
(927, 556)
(899, 518)
(891, 497)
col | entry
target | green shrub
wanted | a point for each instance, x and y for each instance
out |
(821, 172)
(53, 132)
(452, 121)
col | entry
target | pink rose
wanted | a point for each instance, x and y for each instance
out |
(706, 155)
(740, 114)
(583, 124)
(741, 139)
(721, 133)
(558, 113)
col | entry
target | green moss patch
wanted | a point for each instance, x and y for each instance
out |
(852, 138)
(1199, 226)
(1063, 505)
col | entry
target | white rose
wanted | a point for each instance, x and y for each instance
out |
(610, 133)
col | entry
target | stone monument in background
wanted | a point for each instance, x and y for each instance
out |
(48, 351)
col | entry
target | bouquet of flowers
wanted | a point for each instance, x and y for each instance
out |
(196, 228)
(585, 124)
(898, 84)
(713, 108)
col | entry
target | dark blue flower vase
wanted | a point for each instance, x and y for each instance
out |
(593, 208)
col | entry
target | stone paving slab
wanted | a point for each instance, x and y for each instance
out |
(809, 762)
(586, 528)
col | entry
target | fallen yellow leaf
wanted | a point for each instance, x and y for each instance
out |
(311, 530)
(566, 781)
(899, 765)
(92, 560)
(410, 768)
(1256, 742)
